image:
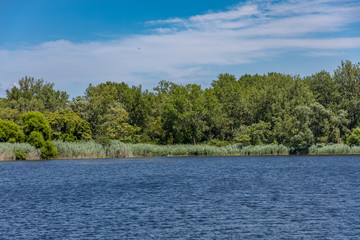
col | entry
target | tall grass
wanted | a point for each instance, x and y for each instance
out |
(8, 151)
(117, 149)
(320, 149)
(271, 149)
(80, 150)
(195, 150)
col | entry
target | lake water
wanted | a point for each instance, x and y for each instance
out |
(295, 197)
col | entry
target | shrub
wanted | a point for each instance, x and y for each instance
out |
(35, 121)
(36, 139)
(48, 150)
(10, 132)
(20, 155)
(354, 138)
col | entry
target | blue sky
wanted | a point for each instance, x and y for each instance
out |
(73, 43)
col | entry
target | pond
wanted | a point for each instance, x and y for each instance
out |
(267, 197)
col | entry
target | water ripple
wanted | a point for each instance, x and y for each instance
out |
(183, 198)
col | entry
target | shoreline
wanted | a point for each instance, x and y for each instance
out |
(183, 156)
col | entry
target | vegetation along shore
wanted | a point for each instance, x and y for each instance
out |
(271, 114)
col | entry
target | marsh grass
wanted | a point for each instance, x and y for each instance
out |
(321, 149)
(271, 149)
(10, 151)
(117, 149)
(80, 149)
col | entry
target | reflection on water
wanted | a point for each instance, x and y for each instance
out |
(186, 198)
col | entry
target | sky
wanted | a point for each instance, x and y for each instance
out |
(73, 43)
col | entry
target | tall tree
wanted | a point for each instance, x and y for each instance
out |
(36, 95)
(347, 76)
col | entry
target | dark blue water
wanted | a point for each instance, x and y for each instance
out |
(182, 198)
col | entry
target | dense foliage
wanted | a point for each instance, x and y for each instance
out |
(256, 109)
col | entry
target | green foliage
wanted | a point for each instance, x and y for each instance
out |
(255, 134)
(35, 121)
(354, 137)
(36, 139)
(12, 151)
(48, 150)
(113, 125)
(35, 95)
(10, 132)
(347, 78)
(20, 155)
(9, 114)
(68, 126)
(255, 109)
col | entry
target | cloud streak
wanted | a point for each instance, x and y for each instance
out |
(181, 49)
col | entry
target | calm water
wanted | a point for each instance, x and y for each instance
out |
(183, 198)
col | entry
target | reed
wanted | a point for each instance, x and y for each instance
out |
(270, 149)
(80, 150)
(321, 149)
(117, 149)
(10, 151)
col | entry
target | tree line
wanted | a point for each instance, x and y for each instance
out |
(273, 108)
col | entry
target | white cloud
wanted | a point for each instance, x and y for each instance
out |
(179, 49)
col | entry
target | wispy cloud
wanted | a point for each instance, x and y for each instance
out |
(180, 49)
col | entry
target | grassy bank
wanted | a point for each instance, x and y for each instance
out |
(18, 151)
(117, 149)
(322, 149)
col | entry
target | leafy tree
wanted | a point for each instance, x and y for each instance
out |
(255, 134)
(137, 104)
(10, 115)
(35, 95)
(231, 96)
(35, 121)
(113, 125)
(347, 76)
(36, 139)
(10, 132)
(48, 150)
(354, 137)
(185, 114)
(68, 126)
(325, 89)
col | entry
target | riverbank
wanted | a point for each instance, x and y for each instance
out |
(117, 149)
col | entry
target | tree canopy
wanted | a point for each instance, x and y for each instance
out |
(252, 109)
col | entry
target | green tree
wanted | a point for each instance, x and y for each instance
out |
(354, 137)
(68, 126)
(35, 95)
(185, 115)
(347, 76)
(35, 121)
(255, 134)
(113, 125)
(231, 96)
(325, 89)
(10, 132)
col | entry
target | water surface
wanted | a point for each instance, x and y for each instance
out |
(295, 197)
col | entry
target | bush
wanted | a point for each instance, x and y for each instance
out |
(20, 155)
(35, 121)
(10, 132)
(48, 150)
(354, 138)
(36, 139)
